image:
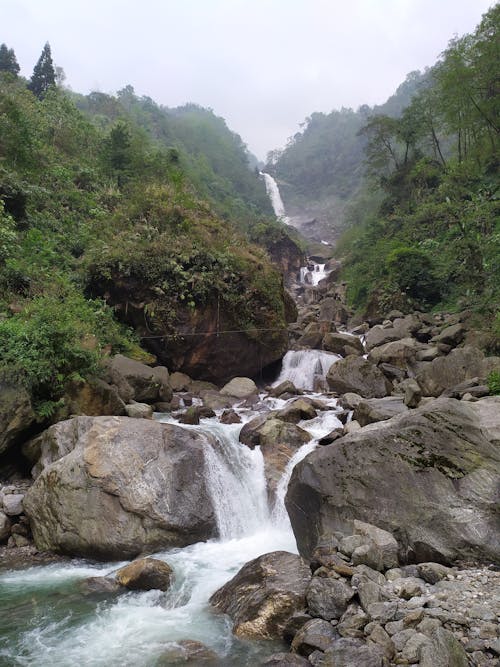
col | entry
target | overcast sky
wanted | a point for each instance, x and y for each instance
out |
(264, 65)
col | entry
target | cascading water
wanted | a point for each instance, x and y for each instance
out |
(273, 193)
(306, 368)
(310, 276)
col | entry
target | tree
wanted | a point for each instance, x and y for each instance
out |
(119, 151)
(44, 75)
(8, 60)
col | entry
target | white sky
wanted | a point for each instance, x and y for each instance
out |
(264, 65)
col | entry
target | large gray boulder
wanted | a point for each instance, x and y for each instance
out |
(431, 477)
(400, 328)
(338, 342)
(137, 381)
(264, 594)
(355, 374)
(400, 353)
(378, 409)
(461, 364)
(121, 487)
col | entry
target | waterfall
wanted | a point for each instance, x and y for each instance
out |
(306, 368)
(313, 276)
(275, 197)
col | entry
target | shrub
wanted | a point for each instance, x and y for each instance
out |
(413, 273)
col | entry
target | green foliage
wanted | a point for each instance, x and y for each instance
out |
(8, 61)
(56, 338)
(494, 383)
(44, 75)
(412, 271)
(8, 236)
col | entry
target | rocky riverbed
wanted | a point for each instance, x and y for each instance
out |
(384, 439)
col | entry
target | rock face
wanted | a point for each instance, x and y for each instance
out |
(264, 594)
(16, 413)
(113, 487)
(378, 409)
(421, 476)
(355, 374)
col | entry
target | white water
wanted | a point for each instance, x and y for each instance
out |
(306, 368)
(313, 277)
(273, 193)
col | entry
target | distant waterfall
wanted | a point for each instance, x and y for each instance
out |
(275, 197)
(306, 367)
(313, 276)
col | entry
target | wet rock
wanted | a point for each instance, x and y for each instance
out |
(126, 486)
(100, 585)
(180, 381)
(294, 624)
(317, 634)
(286, 660)
(145, 574)
(286, 387)
(230, 417)
(331, 437)
(297, 411)
(239, 387)
(264, 594)
(350, 400)
(373, 410)
(440, 451)
(355, 374)
(328, 598)
(187, 651)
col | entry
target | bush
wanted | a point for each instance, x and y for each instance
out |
(57, 338)
(413, 273)
(494, 383)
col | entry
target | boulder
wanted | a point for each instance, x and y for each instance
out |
(355, 374)
(187, 651)
(378, 409)
(461, 364)
(400, 328)
(145, 574)
(100, 586)
(239, 387)
(444, 650)
(297, 410)
(148, 384)
(337, 342)
(139, 411)
(4, 527)
(125, 486)
(400, 353)
(442, 452)
(347, 652)
(214, 400)
(264, 594)
(93, 398)
(286, 387)
(452, 335)
(16, 413)
(328, 597)
(384, 542)
(315, 635)
(286, 660)
(180, 381)
(13, 504)
(230, 417)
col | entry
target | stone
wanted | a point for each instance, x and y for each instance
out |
(314, 635)
(16, 413)
(286, 387)
(100, 585)
(401, 353)
(350, 400)
(443, 651)
(331, 437)
(355, 374)
(180, 381)
(19, 540)
(337, 343)
(409, 587)
(441, 451)
(93, 397)
(139, 411)
(433, 572)
(230, 417)
(113, 487)
(350, 543)
(446, 372)
(294, 624)
(145, 574)
(428, 353)
(286, 660)
(412, 649)
(13, 504)
(368, 591)
(147, 385)
(328, 598)
(383, 540)
(5, 527)
(382, 611)
(347, 652)
(412, 393)
(379, 636)
(187, 651)
(239, 387)
(400, 328)
(264, 594)
(352, 622)
(452, 335)
(373, 410)
(297, 411)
